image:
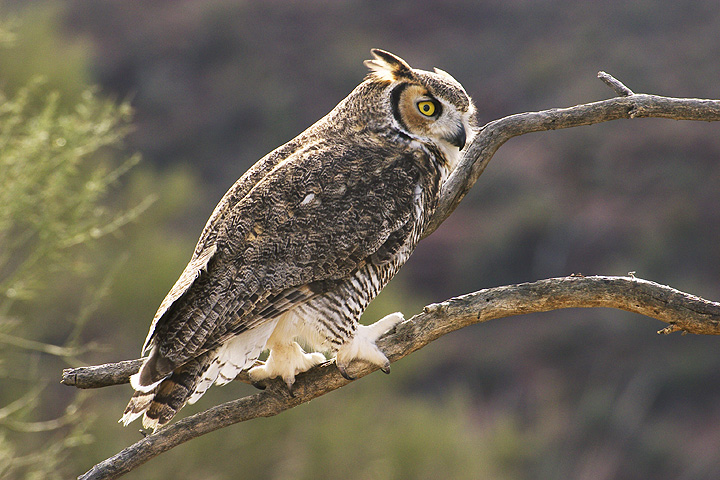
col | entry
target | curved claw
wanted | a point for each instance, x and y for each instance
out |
(290, 387)
(386, 369)
(259, 385)
(344, 373)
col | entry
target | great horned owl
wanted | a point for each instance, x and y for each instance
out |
(305, 239)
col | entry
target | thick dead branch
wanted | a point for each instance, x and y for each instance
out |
(101, 375)
(494, 134)
(683, 312)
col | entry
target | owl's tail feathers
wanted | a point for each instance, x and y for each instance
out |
(160, 404)
(160, 393)
(155, 369)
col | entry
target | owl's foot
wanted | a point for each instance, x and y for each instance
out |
(362, 346)
(285, 361)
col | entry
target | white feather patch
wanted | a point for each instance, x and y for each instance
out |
(362, 345)
(135, 383)
(130, 417)
(236, 355)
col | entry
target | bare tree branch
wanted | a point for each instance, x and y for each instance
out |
(683, 312)
(615, 84)
(494, 134)
(101, 375)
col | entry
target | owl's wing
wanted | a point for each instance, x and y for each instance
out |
(206, 246)
(304, 225)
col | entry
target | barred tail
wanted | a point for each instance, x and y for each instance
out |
(158, 402)
(159, 405)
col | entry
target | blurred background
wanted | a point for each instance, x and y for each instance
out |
(123, 123)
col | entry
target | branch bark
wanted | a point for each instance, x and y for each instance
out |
(494, 134)
(682, 311)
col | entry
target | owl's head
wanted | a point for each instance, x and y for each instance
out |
(426, 105)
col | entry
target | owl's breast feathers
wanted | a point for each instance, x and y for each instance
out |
(296, 223)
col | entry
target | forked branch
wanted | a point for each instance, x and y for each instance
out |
(494, 134)
(683, 312)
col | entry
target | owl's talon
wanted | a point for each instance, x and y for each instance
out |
(362, 346)
(344, 373)
(285, 361)
(290, 383)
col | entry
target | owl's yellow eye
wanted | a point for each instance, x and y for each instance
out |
(427, 108)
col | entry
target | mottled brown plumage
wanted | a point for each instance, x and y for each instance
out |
(302, 242)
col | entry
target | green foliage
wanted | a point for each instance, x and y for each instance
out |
(57, 166)
(54, 177)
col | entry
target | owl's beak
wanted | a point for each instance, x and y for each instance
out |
(458, 137)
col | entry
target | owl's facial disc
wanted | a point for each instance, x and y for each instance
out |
(419, 112)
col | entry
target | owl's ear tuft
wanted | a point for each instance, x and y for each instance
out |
(388, 67)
